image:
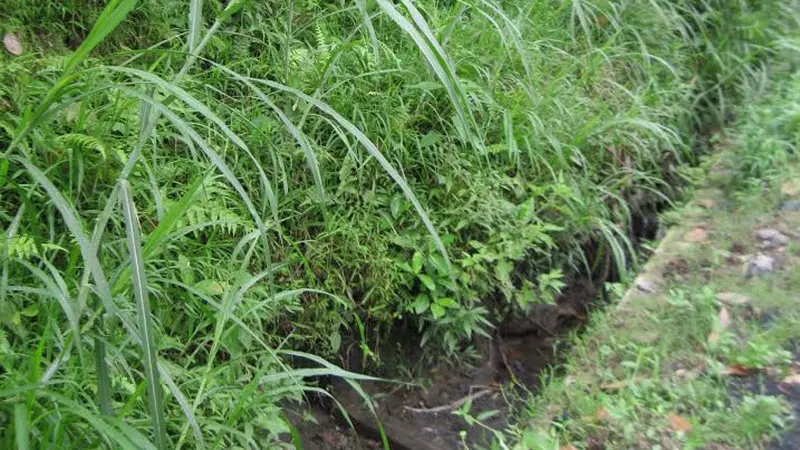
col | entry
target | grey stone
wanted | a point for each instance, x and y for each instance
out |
(760, 265)
(645, 285)
(789, 205)
(771, 238)
(770, 234)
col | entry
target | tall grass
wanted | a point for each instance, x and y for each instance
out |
(194, 193)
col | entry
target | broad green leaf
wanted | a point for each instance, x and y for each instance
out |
(336, 341)
(394, 206)
(427, 281)
(421, 304)
(416, 262)
(172, 216)
(437, 310)
(447, 302)
(113, 14)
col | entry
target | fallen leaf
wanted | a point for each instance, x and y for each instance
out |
(792, 379)
(736, 370)
(12, 44)
(617, 385)
(688, 374)
(601, 414)
(723, 322)
(724, 318)
(679, 423)
(696, 235)
(706, 203)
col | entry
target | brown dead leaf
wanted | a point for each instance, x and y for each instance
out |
(723, 322)
(615, 386)
(732, 298)
(688, 374)
(736, 370)
(792, 379)
(785, 384)
(697, 234)
(12, 43)
(706, 203)
(679, 423)
(791, 187)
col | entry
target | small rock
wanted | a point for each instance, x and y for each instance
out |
(759, 266)
(789, 205)
(696, 235)
(771, 238)
(12, 44)
(732, 298)
(771, 234)
(645, 285)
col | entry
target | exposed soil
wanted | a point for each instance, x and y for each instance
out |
(417, 418)
(414, 417)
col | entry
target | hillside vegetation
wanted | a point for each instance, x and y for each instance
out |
(204, 202)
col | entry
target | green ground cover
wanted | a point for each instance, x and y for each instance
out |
(702, 351)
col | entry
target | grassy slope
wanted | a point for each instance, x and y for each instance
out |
(583, 113)
(654, 371)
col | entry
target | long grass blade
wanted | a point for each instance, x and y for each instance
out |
(139, 279)
(103, 377)
(74, 225)
(195, 24)
(181, 94)
(215, 159)
(441, 67)
(185, 407)
(373, 38)
(374, 152)
(21, 428)
(298, 135)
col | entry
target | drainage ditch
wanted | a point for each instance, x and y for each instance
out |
(419, 415)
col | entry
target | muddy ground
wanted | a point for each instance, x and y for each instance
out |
(422, 418)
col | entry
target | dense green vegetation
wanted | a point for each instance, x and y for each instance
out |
(683, 367)
(192, 194)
